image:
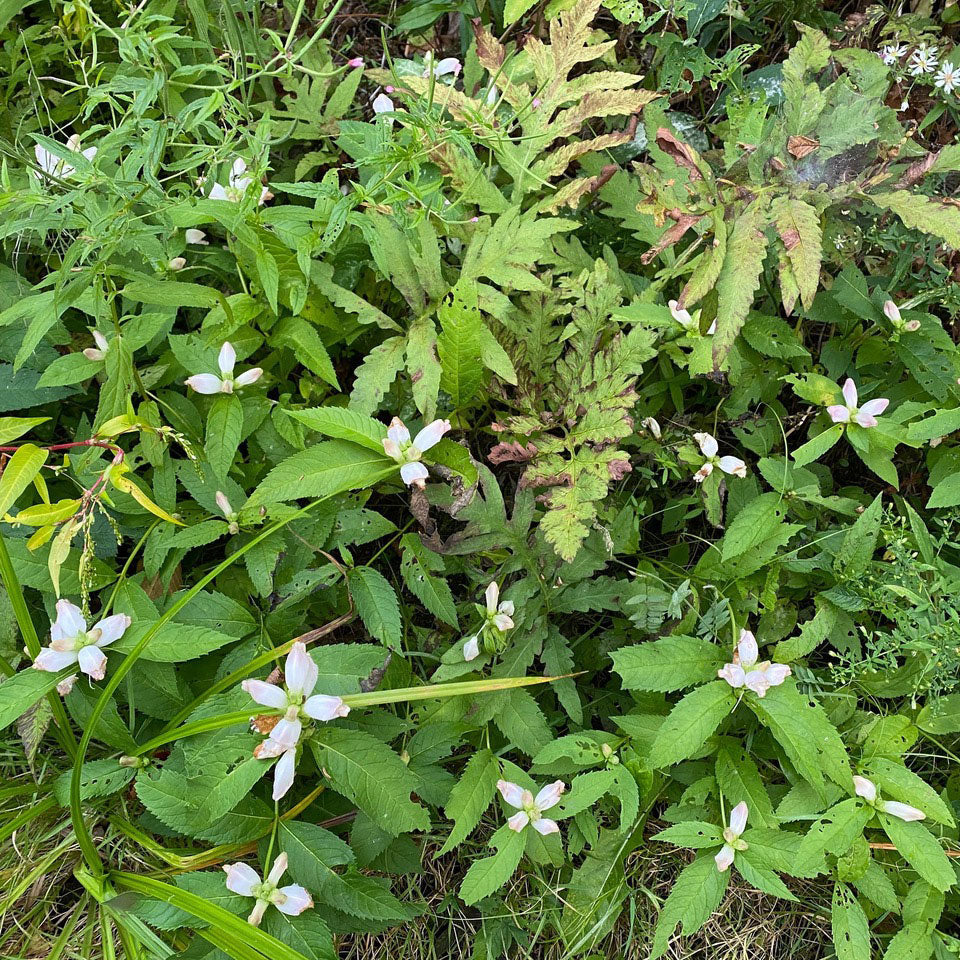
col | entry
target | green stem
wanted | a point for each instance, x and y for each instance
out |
(62, 726)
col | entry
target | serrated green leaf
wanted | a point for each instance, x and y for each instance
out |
(487, 875)
(694, 896)
(377, 605)
(687, 727)
(669, 663)
(470, 797)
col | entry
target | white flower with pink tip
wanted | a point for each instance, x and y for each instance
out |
(71, 642)
(226, 383)
(498, 616)
(849, 412)
(99, 352)
(731, 837)
(744, 671)
(709, 448)
(295, 700)
(398, 446)
(867, 789)
(530, 808)
(292, 899)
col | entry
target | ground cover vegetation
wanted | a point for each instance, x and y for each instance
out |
(480, 478)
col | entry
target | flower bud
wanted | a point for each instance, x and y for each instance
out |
(177, 263)
(912, 326)
(355, 62)
(892, 312)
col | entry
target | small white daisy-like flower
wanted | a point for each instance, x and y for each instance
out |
(948, 77)
(923, 60)
(892, 53)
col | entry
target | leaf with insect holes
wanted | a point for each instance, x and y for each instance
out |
(459, 343)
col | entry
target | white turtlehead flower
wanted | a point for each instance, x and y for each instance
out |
(744, 671)
(197, 237)
(651, 426)
(177, 263)
(865, 416)
(731, 836)
(53, 166)
(442, 68)
(531, 807)
(383, 104)
(709, 448)
(294, 699)
(892, 53)
(681, 315)
(236, 186)
(397, 446)
(948, 77)
(229, 513)
(99, 352)
(498, 613)
(892, 312)
(226, 382)
(498, 616)
(923, 60)
(71, 642)
(867, 789)
(245, 881)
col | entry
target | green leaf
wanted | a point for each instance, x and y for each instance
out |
(18, 474)
(920, 849)
(415, 568)
(376, 375)
(470, 797)
(739, 278)
(308, 347)
(925, 214)
(913, 942)
(21, 691)
(224, 429)
(423, 366)
(370, 774)
(941, 716)
(173, 643)
(848, 923)
(321, 471)
(314, 852)
(690, 723)
(308, 934)
(513, 10)
(695, 895)
(834, 832)
(459, 343)
(13, 427)
(584, 793)
(798, 224)
(860, 542)
(691, 833)
(818, 445)
(522, 721)
(344, 424)
(669, 663)
(739, 778)
(377, 605)
(171, 293)
(489, 874)
(756, 522)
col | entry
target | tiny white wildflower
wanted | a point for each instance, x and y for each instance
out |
(226, 382)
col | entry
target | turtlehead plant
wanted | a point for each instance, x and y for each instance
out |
(731, 837)
(235, 189)
(867, 790)
(243, 880)
(498, 619)
(848, 412)
(72, 642)
(709, 447)
(53, 167)
(530, 808)
(398, 446)
(210, 383)
(744, 671)
(296, 701)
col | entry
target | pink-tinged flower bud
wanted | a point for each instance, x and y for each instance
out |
(355, 62)
(912, 326)
(891, 311)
